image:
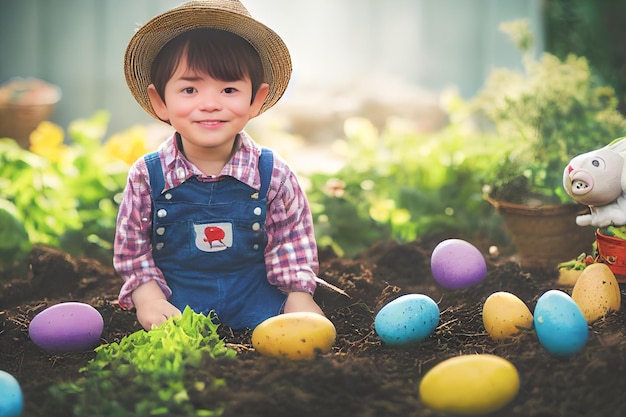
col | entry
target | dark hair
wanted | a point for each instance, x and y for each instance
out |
(221, 54)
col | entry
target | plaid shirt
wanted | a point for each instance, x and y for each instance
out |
(291, 251)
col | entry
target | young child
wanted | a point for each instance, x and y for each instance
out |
(211, 220)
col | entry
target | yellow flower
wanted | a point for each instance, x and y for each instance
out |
(127, 146)
(381, 210)
(47, 141)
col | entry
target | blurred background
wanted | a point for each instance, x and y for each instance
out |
(403, 52)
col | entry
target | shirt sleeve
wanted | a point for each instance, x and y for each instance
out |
(132, 250)
(291, 252)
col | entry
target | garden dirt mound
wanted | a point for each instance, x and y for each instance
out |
(361, 376)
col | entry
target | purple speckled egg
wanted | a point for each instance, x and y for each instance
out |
(67, 327)
(456, 263)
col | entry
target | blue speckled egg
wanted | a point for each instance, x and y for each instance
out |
(407, 319)
(560, 325)
(11, 399)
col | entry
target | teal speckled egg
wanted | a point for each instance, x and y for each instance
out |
(560, 325)
(407, 319)
(11, 399)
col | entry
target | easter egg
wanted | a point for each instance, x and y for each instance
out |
(470, 384)
(67, 327)
(298, 335)
(560, 325)
(407, 319)
(504, 315)
(596, 292)
(456, 263)
(11, 398)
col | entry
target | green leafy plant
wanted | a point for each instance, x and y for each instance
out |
(62, 191)
(589, 29)
(142, 375)
(32, 188)
(14, 242)
(400, 184)
(552, 111)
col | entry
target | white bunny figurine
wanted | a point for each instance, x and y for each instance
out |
(598, 179)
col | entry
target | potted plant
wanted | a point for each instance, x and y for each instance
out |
(549, 113)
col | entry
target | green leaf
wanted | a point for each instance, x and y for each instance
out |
(154, 363)
(14, 240)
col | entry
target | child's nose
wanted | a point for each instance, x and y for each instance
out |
(210, 101)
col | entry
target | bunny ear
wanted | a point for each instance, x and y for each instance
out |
(618, 145)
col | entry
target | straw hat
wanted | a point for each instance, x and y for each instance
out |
(229, 15)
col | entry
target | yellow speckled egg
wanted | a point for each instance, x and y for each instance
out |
(596, 292)
(470, 384)
(504, 314)
(294, 335)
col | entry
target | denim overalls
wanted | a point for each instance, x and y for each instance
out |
(208, 239)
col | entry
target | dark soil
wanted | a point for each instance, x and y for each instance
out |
(361, 376)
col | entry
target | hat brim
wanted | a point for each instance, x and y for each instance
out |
(152, 36)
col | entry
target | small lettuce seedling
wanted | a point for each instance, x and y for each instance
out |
(142, 375)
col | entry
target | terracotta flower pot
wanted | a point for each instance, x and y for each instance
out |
(612, 251)
(546, 235)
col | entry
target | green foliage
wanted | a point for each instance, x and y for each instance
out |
(399, 184)
(14, 243)
(553, 111)
(60, 195)
(34, 189)
(97, 183)
(142, 375)
(593, 29)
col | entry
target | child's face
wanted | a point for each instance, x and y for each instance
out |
(208, 113)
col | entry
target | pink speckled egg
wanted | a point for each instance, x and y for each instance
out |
(67, 327)
(456, 263)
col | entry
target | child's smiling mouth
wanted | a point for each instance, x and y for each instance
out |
(211, 123)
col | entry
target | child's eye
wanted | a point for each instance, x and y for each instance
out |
(189, 90)
(230, 90)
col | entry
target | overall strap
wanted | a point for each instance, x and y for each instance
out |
(157, 180)
(266, 166)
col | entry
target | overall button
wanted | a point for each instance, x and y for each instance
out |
(256, 227)
(168, 196)
(159, 245)
(162, 213)
(255, 246)
(160, 231)
(257, 211)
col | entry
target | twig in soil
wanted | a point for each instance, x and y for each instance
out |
(21, 320)
(447, 324)
(362, 340)
(331, 287)
(387, 294)
(359, 303)
(240, 347)
(424, 362)
(471, 334)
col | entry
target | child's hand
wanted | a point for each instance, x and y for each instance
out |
(301, 301)
(155, 312)
(151, 306)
